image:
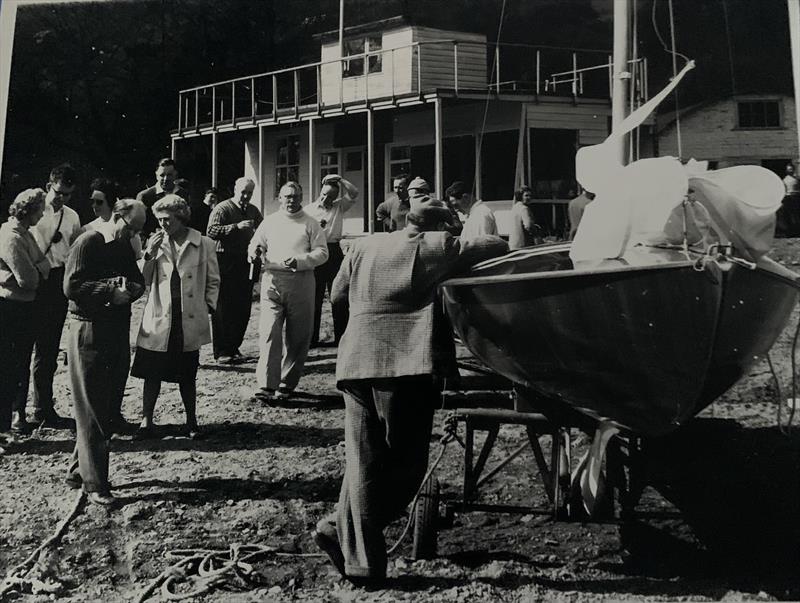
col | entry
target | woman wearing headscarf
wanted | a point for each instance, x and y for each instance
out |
(23, 266)
(180, 267)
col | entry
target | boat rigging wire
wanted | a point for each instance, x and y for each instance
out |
(488, 96)
(672, 51)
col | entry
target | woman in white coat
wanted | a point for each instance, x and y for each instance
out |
(181, 271)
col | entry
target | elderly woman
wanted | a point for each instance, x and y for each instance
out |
(523, 230)
(180, 267)
(22, 267)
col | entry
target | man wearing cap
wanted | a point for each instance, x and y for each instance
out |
(392, 212)
(394, 352)
(480, 218)
(335, 198)
(420, 189)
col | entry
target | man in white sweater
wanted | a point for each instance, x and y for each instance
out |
(290, 244)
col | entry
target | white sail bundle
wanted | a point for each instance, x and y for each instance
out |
(643, 202)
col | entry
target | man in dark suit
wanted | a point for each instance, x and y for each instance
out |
(166, 175)
(395, 350)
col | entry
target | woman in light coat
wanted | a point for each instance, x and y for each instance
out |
(180, 268)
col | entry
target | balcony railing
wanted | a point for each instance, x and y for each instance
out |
(415, 69)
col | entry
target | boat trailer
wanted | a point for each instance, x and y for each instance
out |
(485, 403)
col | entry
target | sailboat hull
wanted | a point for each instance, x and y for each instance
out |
(647, 346)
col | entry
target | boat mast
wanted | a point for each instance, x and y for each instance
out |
(620, 74)
(794, 36)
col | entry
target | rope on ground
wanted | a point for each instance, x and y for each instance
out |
(16, 579)
(450, 434)
(206, 569)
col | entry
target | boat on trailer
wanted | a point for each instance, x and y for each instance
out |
(647, 340)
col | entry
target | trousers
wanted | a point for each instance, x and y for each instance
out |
(284, 329)
(51, 310)
(324, 275)
(387, 432)
(98, 354)
(229, 321)
(17, 320)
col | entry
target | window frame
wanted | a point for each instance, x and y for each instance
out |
(371, 57)
(764, 102)
(287, 164)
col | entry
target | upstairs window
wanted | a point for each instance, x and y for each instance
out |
(369, 46)
(759, 114)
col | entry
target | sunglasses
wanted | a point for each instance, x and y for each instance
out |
(97, 201)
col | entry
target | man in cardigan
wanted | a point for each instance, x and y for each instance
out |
(290, 244)
(397, 346)
(232, 224)
(101, 282)
(166, 178)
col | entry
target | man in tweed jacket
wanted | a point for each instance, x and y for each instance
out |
(396, 346)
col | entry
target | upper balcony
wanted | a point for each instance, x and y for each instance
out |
(384, 71)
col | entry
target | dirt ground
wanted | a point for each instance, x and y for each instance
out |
(725, 488)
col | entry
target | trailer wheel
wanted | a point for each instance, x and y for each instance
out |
(426, 521)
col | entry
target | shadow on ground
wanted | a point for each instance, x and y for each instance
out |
(212, 489)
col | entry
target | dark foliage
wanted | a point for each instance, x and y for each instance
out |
(96, 83)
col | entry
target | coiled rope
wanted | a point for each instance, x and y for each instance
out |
(17, 579)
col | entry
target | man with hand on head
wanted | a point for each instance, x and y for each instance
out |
(101, 282)
(290, 244)
(335, 198)
(232, 224)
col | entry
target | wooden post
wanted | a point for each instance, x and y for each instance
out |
(437, 122)
(262, 187)
(274, 98)
(478, 182)
(455, 65)
(312, 180)
(370, 171)
(197, 109)
(180, 106)
(214, 159)
(253, 98)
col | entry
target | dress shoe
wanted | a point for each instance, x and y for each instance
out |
(102, 499)
(329, 544)
(19, 425)
(53, 420)
(74, 481)
(284, 393)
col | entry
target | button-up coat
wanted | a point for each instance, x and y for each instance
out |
(197, 267)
